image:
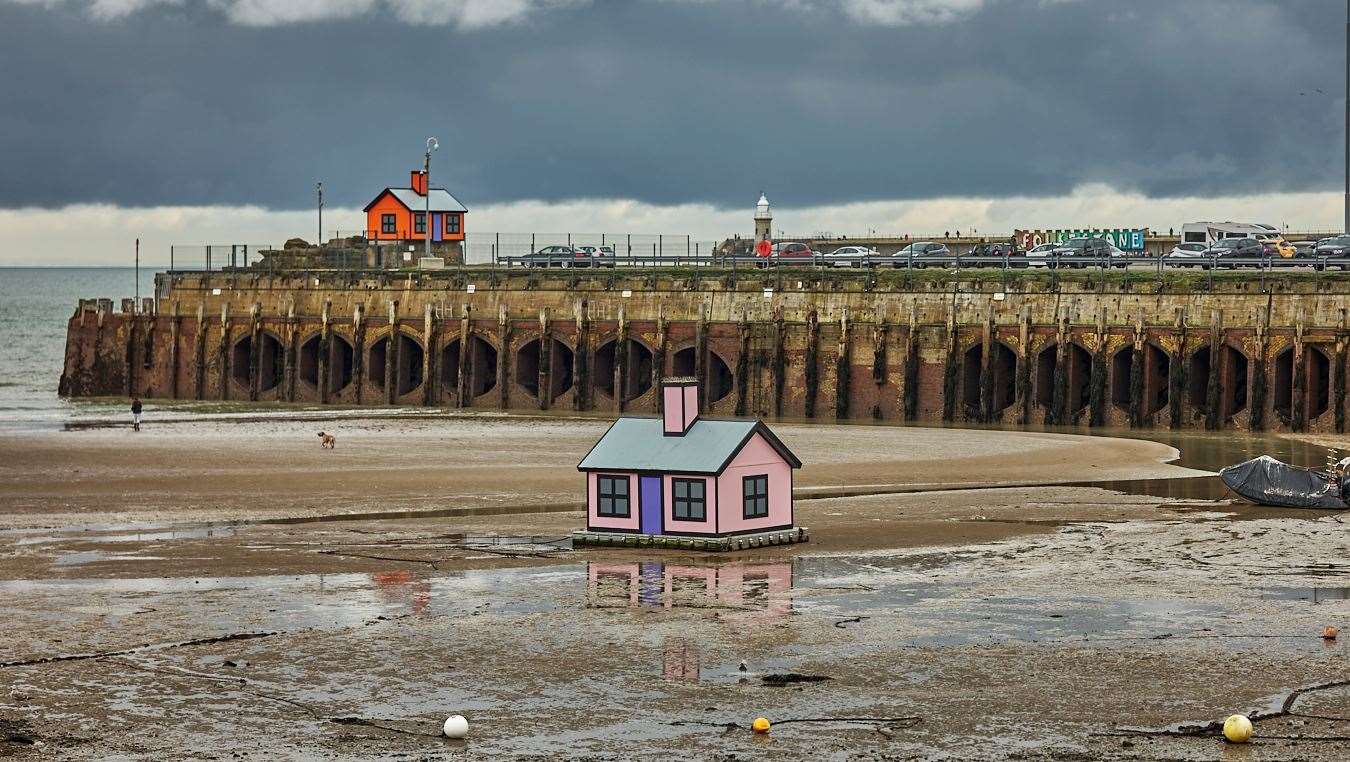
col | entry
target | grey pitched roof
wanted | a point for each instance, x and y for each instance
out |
(640, 444)
(441, 200)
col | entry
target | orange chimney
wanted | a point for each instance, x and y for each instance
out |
(419, 182)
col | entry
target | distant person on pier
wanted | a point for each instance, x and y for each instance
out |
(135, 413)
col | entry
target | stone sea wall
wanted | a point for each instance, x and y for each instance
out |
(1087, 349)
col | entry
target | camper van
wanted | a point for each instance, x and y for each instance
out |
(1210, 233)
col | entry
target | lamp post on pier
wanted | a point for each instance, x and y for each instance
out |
(318, 187)
(432, 145)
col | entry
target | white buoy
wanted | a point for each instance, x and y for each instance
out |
(456, 727)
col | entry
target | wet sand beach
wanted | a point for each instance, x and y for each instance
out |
(228, 590)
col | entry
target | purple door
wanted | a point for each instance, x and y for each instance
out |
(651, 504)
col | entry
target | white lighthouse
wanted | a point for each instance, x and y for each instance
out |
(763, 219)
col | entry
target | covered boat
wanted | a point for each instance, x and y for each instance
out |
(1267, 481)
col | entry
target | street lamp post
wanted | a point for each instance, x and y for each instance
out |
(1346, 229)
(318, 187)
(432, 145)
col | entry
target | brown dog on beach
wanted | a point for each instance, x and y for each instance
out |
(327, 441)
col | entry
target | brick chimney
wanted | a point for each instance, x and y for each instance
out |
(419, 182)
(679, 401)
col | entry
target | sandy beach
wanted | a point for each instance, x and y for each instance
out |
(229, 590)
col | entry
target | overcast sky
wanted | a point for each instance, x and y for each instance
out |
(852, 114)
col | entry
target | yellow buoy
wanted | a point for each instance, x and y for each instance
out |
(1237, 729)
(760, 725)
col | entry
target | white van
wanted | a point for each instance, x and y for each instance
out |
(1210, 233)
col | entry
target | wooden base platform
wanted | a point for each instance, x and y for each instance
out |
(714, 544)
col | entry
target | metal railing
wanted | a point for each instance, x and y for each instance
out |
(1138, 262)
(604, 250)
(216, 256)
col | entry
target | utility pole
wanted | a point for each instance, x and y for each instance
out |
(432, 145)
(138, 275)
(319, 187)
(1346, 229)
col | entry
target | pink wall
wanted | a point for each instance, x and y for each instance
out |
(672, 410)
(679, 408)
(710, 507)
(690, 405)
(593, 518)
(757, 458)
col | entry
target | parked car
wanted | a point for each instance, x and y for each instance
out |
(1304, 248)
(851, 256)
(1119, 257)
(601, 256)
(1096, 252)
(1337, 248)
(558, 256)
(1001, 251)
(789, 254)
(1040, 256)
(1235, 248)
(1187, 255)
(921, 249)
(1277, 246)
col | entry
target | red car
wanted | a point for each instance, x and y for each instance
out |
(791, 253)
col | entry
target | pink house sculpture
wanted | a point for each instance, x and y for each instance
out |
(686, 481)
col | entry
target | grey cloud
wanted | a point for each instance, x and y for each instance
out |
(671, 102)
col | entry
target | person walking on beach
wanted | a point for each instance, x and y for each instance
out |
(135, 413)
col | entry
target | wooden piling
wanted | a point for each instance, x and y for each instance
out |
(175, 329)
(812, 363)
(581, 361)
(391, 359)
(743, 365)
(359, 351)
(199, 356)
(223, 352)
(465, 390)
(504, 375)
(1338, 374)
(778, 364)
(620, 377)
(910, 391)
(842, 368)
(254, 351)
(544, 375)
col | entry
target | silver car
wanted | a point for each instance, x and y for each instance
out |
(851, 256)
(1040, 256)
(921, 249)
(1187, 255)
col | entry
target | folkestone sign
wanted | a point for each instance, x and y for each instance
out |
(1124, 239)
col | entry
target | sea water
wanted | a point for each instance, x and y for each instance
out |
(35, 305)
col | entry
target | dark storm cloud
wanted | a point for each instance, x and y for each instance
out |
(674, 102)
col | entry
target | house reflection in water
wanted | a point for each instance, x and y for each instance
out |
(764, 588)
(404, 587)
(680, 660)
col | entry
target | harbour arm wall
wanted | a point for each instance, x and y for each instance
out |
(1089, 349)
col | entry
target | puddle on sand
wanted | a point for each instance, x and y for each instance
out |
(854, 588)
(127, 534)
(1183, 488)
(286, 603)
(1314, 595)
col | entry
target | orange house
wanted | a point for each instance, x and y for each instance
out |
(399, 214)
